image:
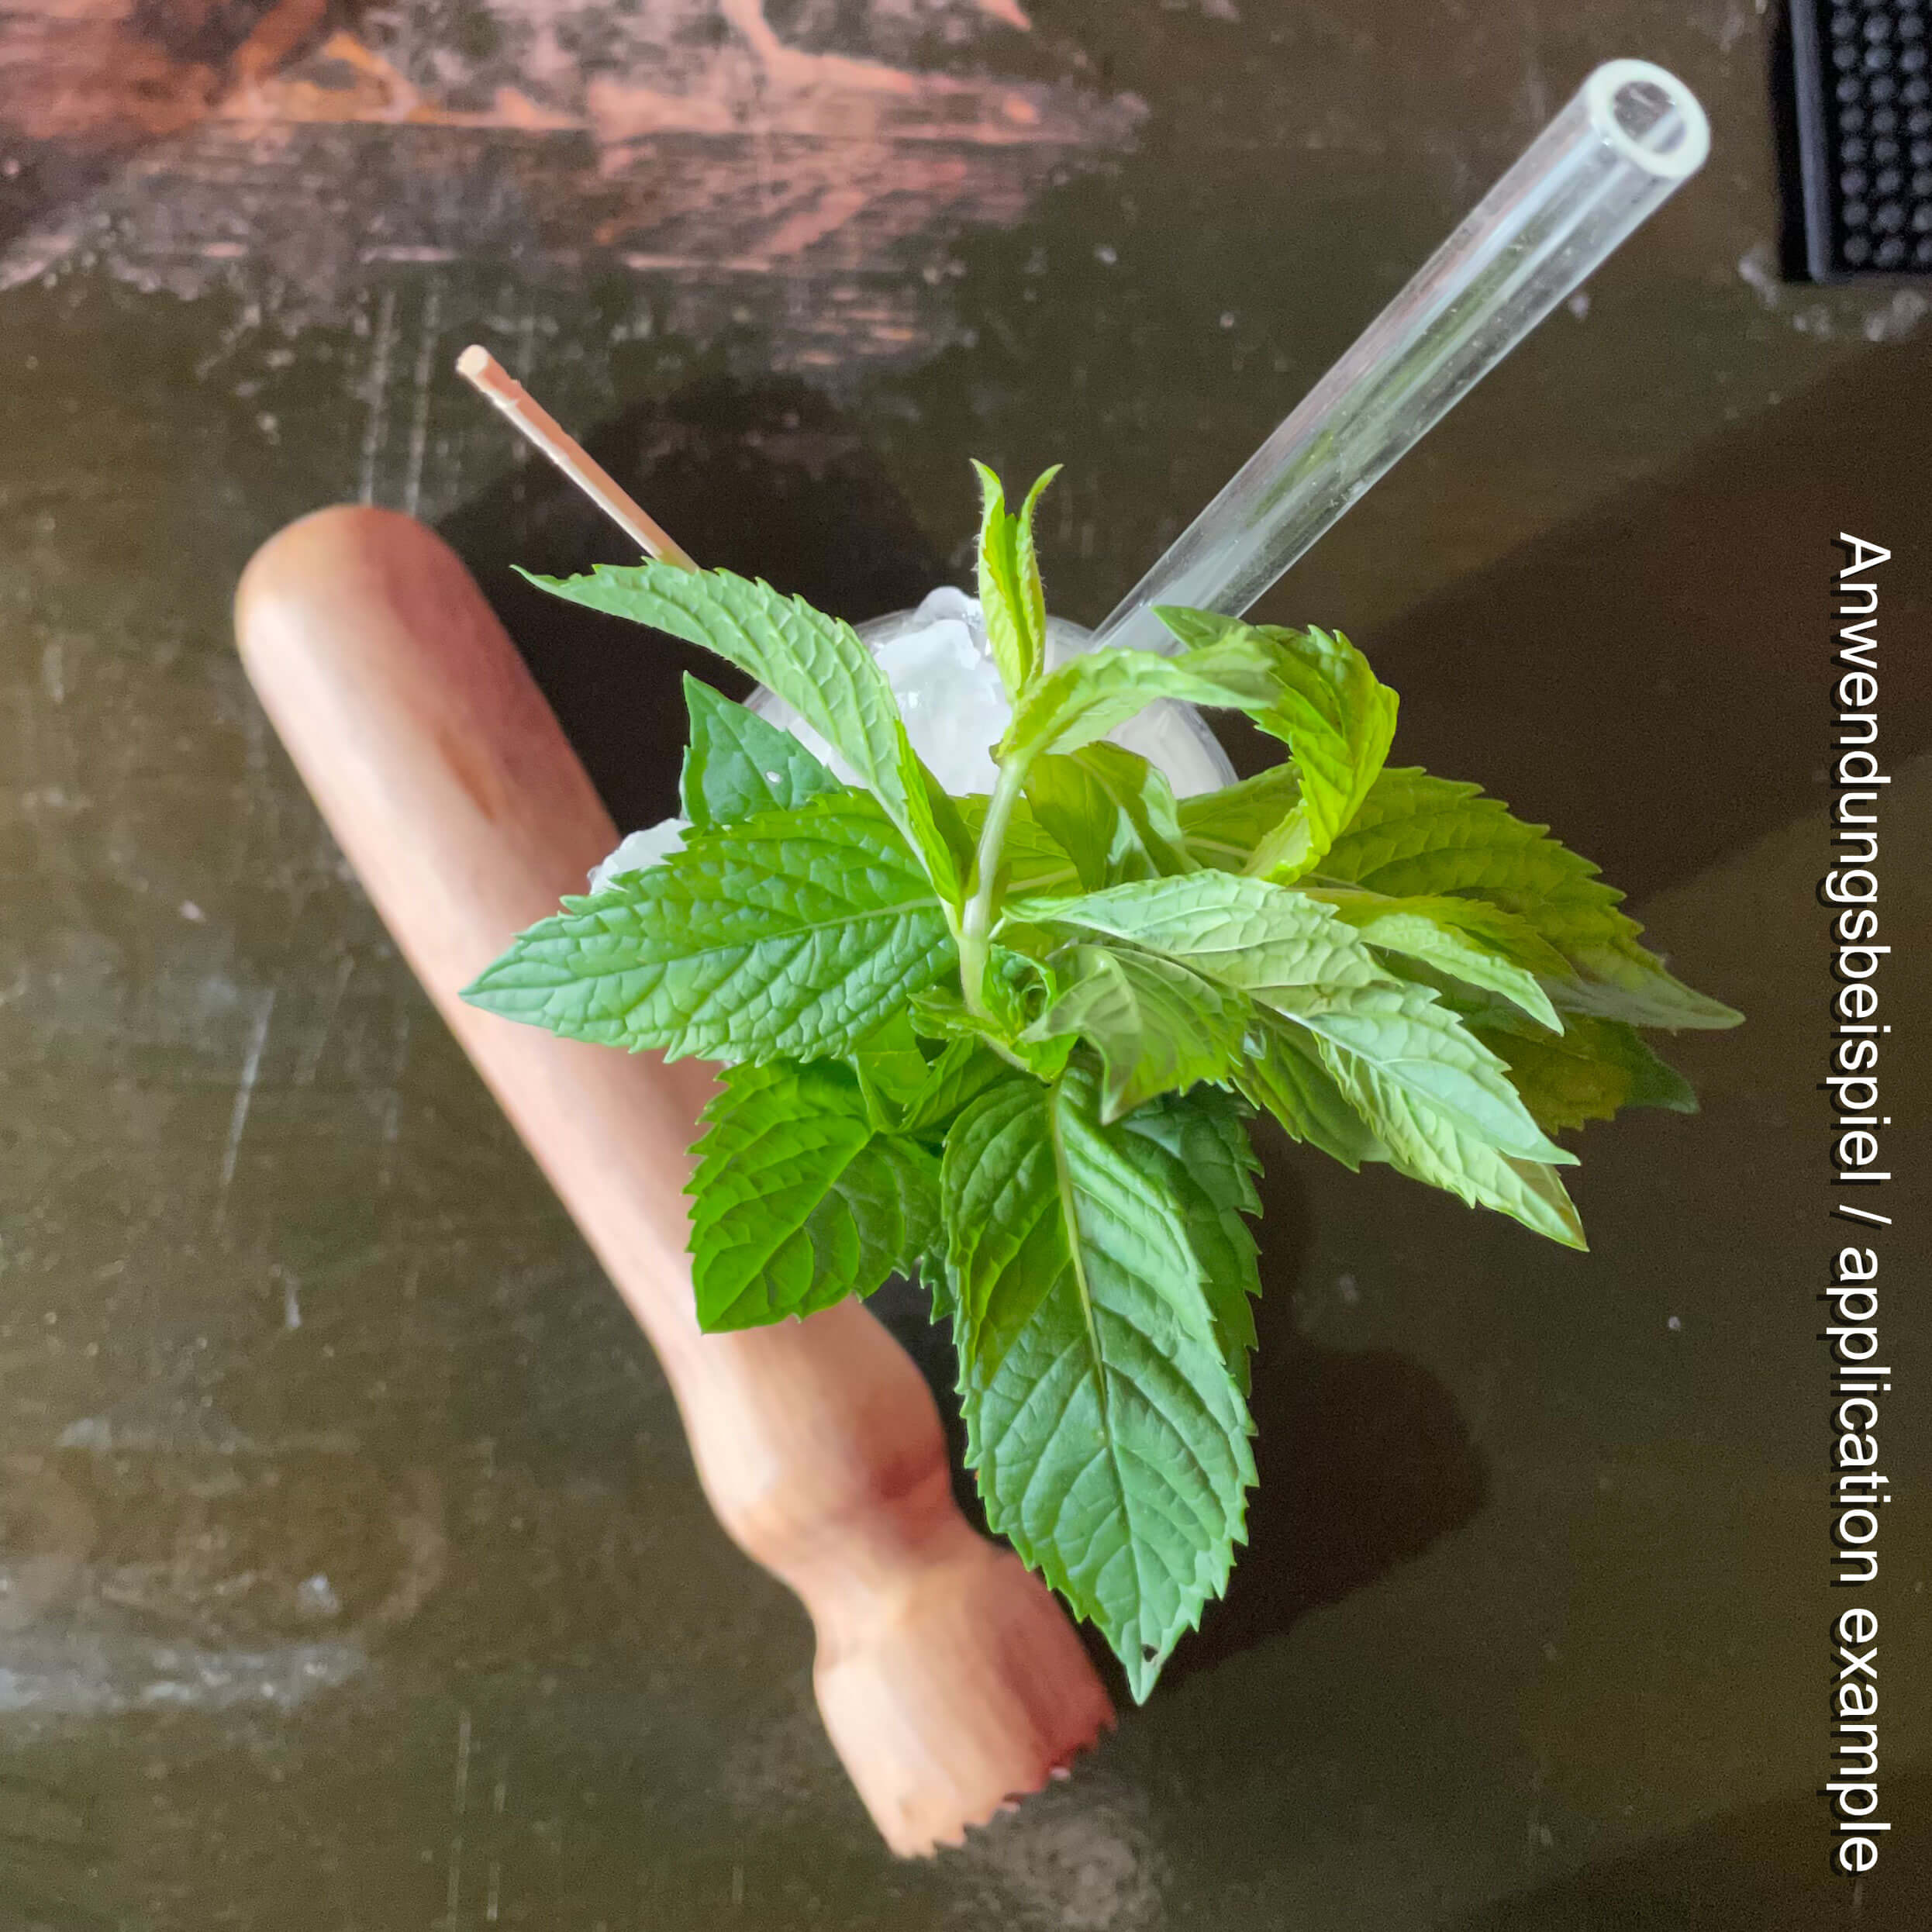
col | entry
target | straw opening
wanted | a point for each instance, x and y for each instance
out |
(1649, 117)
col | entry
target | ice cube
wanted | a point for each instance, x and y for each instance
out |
(949, 695)
(948, 689)
(936, 661)
(640, 850)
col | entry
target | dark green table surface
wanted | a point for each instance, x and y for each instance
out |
(352, 1570)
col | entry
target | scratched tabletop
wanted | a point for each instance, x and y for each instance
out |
(353, 1573)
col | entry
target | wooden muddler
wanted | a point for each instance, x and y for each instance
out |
(949, 1679)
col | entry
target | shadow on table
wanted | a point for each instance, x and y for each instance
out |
(1362, 1461)
(1654, 678)
(1763, 1870)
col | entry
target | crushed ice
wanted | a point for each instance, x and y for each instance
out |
(936, 661)
(641, 850)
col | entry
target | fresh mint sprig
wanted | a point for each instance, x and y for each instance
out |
(1011, 1041)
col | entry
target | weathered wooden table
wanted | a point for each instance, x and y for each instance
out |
(352, 1573)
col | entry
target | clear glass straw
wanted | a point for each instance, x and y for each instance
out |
(1631, 135)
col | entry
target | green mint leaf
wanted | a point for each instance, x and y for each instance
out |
(1417, 836)
(1222, 828)
(816, 664)
(940, 1013)
(1478, 1008)
(1433, 1095)
(1339, 722)
(737, 765)
(1598, 1067)
(792, 934)
(1439, 1103)
(1157, 1028)
(1006, 634)
(892, 1071)
(965, 1068)
(1419, 1051)
(1334, 715)
(1530, 1191)
(1622, 980)
(1098, 691)
(1111, 811)
(1433, 1149)
(1072, 807)
(1196, 630)
(940, 833)
(1012, 599)
(1245, 933)
(1285, 1075)
(1031, 860)
(1469, 939)
(797, 1202)
(1106, 1430)
(1032, 592)
(1205, 1163)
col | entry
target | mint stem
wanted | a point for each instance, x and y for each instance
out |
(976, 930)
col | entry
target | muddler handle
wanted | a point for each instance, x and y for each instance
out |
(949, 1679)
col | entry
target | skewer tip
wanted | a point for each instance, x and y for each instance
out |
(484, 373)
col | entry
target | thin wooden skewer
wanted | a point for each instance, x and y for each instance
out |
(482, 371)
